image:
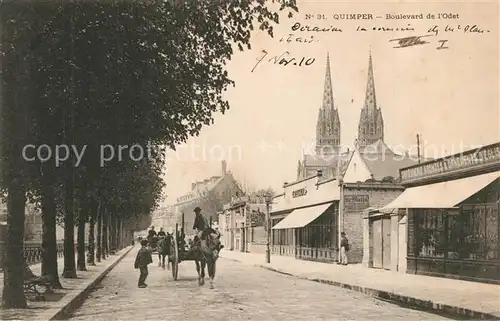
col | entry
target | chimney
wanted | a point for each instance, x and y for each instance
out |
(224, 168)
(193, 186)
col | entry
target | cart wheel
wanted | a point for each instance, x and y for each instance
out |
(175, 260)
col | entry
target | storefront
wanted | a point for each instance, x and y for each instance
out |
(452, 206)
(305, 220)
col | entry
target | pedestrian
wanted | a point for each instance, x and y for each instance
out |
(344, 248)
(141, 262)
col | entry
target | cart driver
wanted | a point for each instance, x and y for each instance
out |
(151, 234)
(200, 223)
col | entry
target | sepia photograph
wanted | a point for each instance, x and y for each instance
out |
(249, 160)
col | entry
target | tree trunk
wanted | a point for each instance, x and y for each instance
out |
(69, 230)
(105, 248)
(91, 248)
(120, 234)
(13, 279)
(110, 233)
(98, 253)
(81, 240)
(113, 234)
(50, 267)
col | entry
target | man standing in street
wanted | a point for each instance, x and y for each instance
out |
(344, 248)
(161, 233)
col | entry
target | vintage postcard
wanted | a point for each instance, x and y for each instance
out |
(250, 160)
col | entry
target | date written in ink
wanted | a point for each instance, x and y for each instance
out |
(285, 59)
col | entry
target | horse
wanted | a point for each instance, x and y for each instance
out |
(205, 254)
(163, 246)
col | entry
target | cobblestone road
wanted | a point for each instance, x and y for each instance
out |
(241, 292)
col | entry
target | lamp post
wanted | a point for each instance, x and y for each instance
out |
(268, 224)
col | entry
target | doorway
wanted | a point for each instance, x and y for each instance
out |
(381, 240)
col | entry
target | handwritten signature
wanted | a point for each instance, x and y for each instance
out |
(284, 59)
(410, 41)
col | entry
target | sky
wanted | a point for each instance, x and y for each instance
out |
(449, 97)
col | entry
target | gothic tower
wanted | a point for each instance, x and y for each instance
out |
(328, 125)
(371, 123)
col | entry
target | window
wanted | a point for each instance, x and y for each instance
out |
(470, 233)
(321, 233)
(275, 233)
(474, 233)
(431, 237)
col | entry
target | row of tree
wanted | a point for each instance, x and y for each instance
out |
(88, 74)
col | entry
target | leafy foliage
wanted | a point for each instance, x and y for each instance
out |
(121, 73)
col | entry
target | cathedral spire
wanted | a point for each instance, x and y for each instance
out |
(370, 98)
(327, 88)
(371, 123)
(328, 124)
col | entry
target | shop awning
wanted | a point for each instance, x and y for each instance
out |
(442, 195)
(301, 217)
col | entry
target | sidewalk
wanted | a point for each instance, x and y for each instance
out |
(467, 299)
(67, 299)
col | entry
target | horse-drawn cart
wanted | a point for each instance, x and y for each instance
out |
(178, 251)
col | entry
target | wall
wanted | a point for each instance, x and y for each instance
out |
(356, 171)
(313, 193)
(354, 202)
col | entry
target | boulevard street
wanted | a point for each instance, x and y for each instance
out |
(242, 292)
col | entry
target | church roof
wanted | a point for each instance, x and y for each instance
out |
(381, 165)
(326, 160)
(379, 147)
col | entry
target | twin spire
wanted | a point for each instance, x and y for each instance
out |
(328, 125)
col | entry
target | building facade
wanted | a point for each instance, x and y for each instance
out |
(371, 180)
(356, 198)
(243, 224)
(447, 219)
(210, 194)
(164, 216)
(304, 219)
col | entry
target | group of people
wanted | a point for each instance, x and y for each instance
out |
(144, 258)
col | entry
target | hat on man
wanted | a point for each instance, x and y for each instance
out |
(197, 209)
(343, 234)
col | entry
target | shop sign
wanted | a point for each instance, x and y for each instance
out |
(356, 198)
(356, 203)
(481, 156)
(299, 192)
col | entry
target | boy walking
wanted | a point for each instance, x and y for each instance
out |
(141, 262)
